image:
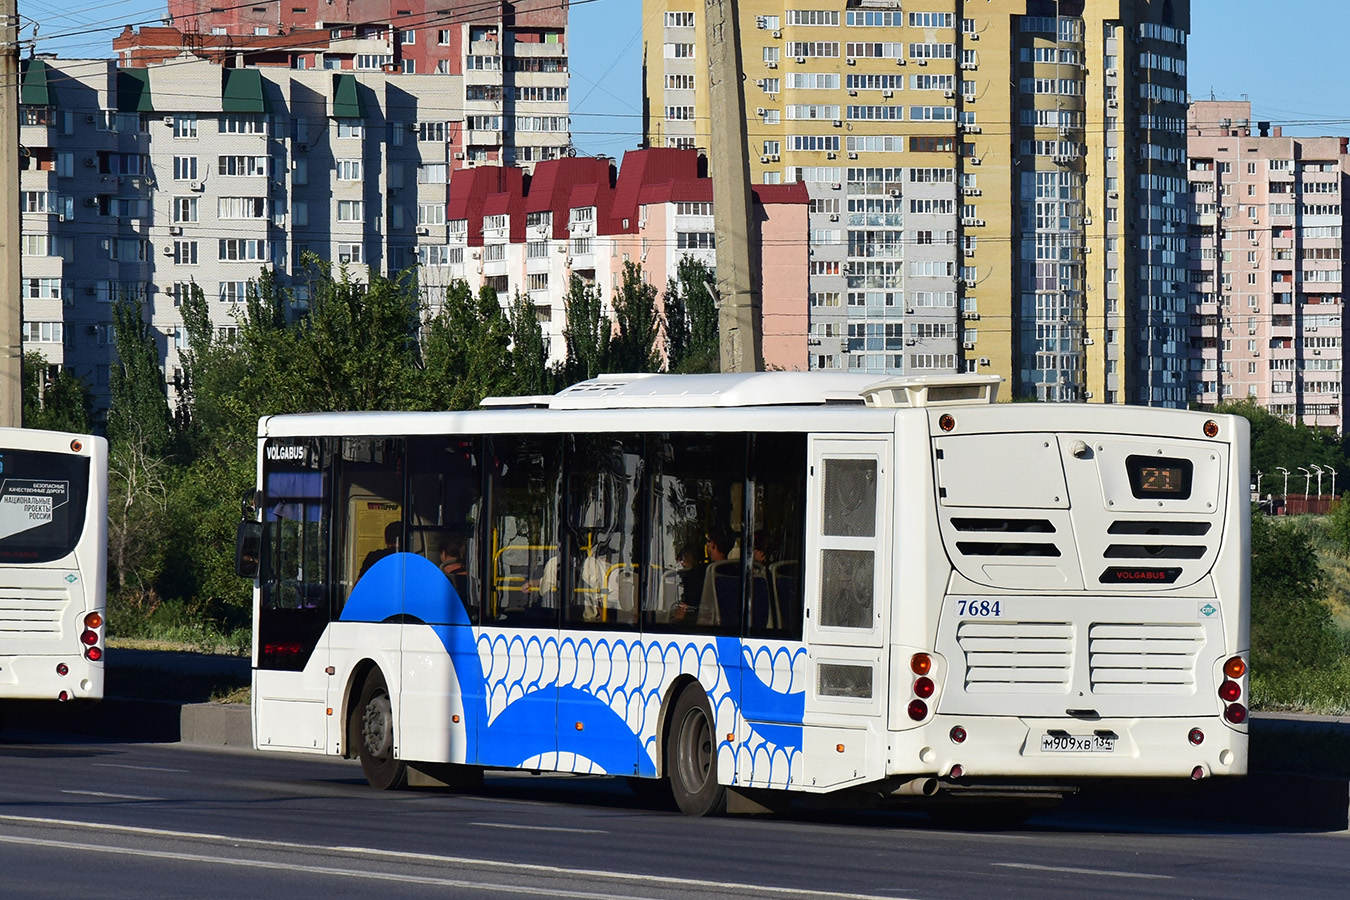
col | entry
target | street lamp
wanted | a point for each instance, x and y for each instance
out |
(1285, 495)
(1332, 470)
(1307, 477)
(1318, 469)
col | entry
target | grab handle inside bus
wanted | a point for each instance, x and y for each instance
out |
(247, 549)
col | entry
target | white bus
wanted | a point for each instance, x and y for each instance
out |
(53, 543)
(747, 583)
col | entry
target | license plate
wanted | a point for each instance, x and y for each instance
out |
(1077, 743)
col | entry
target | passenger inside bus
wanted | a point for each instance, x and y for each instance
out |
(393, 532)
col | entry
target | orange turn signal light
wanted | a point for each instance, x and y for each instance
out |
(93, 620)
(921, 663)
(1235, 667)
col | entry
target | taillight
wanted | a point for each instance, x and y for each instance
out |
(93, 620)
(918, 710)
(89, 637)
(1197, 736)
(62, 669)
(958, 734)
(93, 654)
(1235, 667)
(924, 687)
(921, 663)
(1230, 691)
(1235, 713)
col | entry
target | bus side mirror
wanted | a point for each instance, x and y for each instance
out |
(247, 549)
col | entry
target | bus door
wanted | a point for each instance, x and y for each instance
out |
(291, 637)
(848, 546)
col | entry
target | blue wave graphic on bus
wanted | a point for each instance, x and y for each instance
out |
(407, 587)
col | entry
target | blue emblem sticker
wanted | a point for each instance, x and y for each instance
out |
(1208, 610)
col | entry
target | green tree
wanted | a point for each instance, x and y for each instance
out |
(139, 407)
(465, 350)
(57, 402)
(587, 332)
(633, 347)
(693, 341)
(1292, 626)
(530, 371)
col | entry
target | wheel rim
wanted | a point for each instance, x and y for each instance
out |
(696, 751)
(377, 732)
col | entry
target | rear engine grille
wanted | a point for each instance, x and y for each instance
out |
(1188, 529)
(1153, 551)
(34, 613)
(1005, 548)
(1017, 657)
(1133, 658)
(1012, 526)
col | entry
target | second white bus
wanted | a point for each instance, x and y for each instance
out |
(53, 576)
(798, 582)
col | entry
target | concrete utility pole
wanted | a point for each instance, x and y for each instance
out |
(11, 304)
(739, 317)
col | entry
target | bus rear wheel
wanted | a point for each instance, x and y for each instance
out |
(372, 728)
(691, 754)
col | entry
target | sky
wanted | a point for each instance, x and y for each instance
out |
(1288, 58)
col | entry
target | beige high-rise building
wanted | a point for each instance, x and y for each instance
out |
(996, 186)
(1267, 264)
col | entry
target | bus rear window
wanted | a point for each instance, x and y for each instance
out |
(42, 505)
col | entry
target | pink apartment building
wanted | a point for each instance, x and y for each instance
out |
(581, 216)
(1266, 265)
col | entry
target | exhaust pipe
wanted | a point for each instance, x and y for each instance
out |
(917, 787)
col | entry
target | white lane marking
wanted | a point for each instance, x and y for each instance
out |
(111, 796)
(598, 874)
(1072, 871)
(137, 768)
(313, 870)
(539, 828)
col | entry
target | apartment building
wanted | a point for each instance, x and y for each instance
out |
(586, 218)
(509, 58)
(1267, 267)
(137, 183)
(996, 186)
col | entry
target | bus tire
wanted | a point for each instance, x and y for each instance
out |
(691, 754)
(372, 728)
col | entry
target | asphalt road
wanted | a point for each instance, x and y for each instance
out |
(142, 821)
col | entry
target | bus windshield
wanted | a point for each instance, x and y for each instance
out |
(42, 504)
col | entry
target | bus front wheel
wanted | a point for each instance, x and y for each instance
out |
(691, 753)
(372, 728)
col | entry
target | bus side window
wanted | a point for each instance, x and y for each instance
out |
(604, 515)
(370, 503)
(445, 508)
(697, 511)
(522, 530)
(777, 535)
